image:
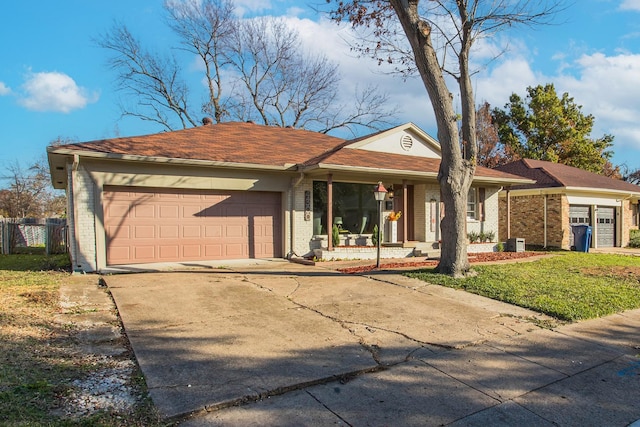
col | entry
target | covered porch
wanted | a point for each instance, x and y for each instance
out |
(345, 216)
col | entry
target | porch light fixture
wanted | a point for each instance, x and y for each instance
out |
(379, 193)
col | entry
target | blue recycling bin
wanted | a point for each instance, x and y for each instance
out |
(581, 237)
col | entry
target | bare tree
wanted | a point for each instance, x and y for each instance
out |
(255, 69)
(18, 200)
(434, 30)
(265, 56)
(205, 29)
(286, 87)
(629, 175)
(491, 152)
(154, 82)
(29, 193)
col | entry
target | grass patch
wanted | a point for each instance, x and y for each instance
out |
(34, 260)
(38, 361)
(568, 286)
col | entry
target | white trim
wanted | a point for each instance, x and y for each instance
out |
(402, 128)
(586, 192)
(600, 201)
(398, 173)
(170, 160)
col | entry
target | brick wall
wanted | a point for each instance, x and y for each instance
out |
(303, 228)
(527, 219)
(628, 222)
(84, 194)
(566, 226)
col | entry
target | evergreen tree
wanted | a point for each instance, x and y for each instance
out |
(544, 126)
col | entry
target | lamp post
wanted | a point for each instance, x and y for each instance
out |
(379, 193)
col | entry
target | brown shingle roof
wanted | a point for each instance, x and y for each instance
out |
(233, 142)
(548, 175)
(248, 143)
(390, 161)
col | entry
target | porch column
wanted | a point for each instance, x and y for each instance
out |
(405, 205)
(330, 212)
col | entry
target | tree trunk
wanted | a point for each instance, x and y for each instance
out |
(455, 174)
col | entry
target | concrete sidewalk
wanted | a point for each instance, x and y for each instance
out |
(301, 345)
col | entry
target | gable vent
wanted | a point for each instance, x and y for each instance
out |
(406, 142)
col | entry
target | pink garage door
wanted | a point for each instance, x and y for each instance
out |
(163, 225)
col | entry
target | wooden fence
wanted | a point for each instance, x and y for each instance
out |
(50, 233)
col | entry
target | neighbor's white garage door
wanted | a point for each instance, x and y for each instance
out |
(606, 226)
(164, 225)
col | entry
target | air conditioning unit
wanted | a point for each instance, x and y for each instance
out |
(515, 245)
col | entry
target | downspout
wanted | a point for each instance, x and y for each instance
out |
(292, 213)
(329, 212)
(545, 220)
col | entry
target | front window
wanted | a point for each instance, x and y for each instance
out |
(355, 210)
(472, 204)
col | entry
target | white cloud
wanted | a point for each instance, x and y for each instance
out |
(53, 91)
(630, 5)
(512, 75)
(606, 86)
(331, 40)
(296, 11)
(4, 89)
(249, 7)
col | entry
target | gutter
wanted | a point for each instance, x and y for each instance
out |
(411, 174)
(169, 160)
(587, 190)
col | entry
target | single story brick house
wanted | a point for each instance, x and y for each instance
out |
(241, 190)
(562, 196)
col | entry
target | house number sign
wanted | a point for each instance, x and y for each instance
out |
(307, 205)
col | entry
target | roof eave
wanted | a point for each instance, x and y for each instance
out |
(608, 191)
(585, 190)
(368, 170)
(409, 174)
(170, 160)
(502, 181)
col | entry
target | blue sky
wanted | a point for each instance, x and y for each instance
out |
(55, 82)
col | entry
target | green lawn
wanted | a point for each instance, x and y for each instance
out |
(568, 286)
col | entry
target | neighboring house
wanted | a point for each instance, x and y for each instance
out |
(242, 190)
(563, 196)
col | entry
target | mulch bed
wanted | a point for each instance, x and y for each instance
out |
(474, 258)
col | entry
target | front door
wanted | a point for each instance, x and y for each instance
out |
(398, 205)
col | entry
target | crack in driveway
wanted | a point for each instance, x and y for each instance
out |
(373, 349)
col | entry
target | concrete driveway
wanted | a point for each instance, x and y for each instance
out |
(302, 345)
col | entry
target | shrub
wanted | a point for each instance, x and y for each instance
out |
(473, 236)
(489, 236)
(374, 238)
(634, 238)
(335, 235)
